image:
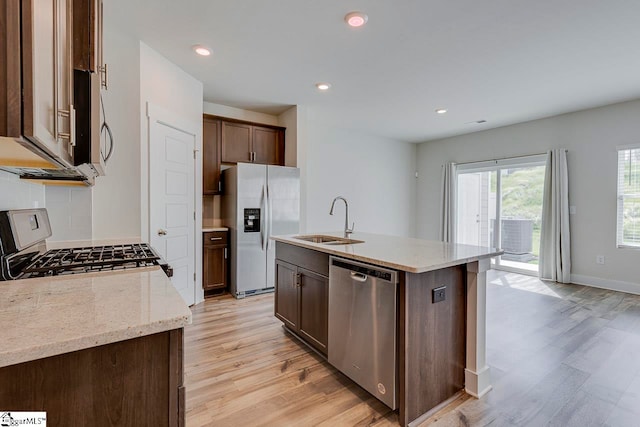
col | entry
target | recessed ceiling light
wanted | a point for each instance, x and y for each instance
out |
(323, 86)
(201, 50)
(441, 110)
(356, 19)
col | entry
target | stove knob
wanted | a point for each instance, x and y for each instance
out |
(162, 232)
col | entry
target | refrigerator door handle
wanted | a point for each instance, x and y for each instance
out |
(263, 209)
(269, 217)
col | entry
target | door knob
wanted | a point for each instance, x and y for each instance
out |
(162, 232)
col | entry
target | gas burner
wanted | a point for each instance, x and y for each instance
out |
(91, 259)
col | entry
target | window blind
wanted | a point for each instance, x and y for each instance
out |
(629, 197)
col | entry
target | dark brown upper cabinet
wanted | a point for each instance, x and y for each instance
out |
(252, 143)
(87, 35)
(211, 129)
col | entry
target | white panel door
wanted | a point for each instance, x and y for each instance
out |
(171, 203)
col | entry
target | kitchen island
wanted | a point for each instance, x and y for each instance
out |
(94, 349)
(440, 342)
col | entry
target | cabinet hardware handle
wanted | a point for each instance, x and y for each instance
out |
(103, 70)
(219, 186)
(298, 280)
(216, 238)
(225, 253)
(72, 125)
(162, 232)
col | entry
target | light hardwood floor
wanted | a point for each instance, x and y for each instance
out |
(561, 355)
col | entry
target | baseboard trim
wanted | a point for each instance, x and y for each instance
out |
(612, 285)
(477, 384)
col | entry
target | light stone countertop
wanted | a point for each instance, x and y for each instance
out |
(44, 317)
(399, 253)
(209, 229)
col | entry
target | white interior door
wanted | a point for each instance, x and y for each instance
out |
(171, 202)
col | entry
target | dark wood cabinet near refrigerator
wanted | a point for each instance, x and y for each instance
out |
(251, 143)
(215, 260)
(211, 183)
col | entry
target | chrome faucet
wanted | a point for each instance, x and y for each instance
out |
(347, 230)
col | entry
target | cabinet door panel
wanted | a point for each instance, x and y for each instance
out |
(211, 156)
(87, 43)
(10, 82)
(314, 299)
(286, 298)
(46, 75)
(236, 142)
(266, 145)
(215, 267)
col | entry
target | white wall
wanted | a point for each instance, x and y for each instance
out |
(376, 175)
(591, 136)
(239, 114)
(20, 194)
(116, 196)
(70, 213)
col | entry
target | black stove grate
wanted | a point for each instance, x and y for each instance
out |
(90, 259)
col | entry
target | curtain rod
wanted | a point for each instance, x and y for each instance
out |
(504, 158)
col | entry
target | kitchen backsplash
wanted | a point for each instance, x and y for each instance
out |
(20, 194)
(69, 212)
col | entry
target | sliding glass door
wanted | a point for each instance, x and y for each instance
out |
(499, 204)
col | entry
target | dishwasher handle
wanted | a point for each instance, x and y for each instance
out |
(358, 277)
(360, 272)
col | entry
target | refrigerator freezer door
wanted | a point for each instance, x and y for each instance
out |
(283, 209)
(250, 265)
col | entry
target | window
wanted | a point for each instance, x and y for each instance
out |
(499, 204)
(629, 197)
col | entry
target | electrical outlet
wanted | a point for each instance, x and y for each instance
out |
(439, 294)
(599, 259)
(572, 210)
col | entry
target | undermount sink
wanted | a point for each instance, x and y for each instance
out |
(327, 240)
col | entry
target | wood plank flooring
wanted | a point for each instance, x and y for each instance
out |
(560, 355)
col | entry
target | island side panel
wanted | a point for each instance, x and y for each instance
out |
(477, 375)
(432, 340)
(132, 382)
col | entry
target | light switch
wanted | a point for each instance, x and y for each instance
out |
(572, 210)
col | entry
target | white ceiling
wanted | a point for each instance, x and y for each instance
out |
(504, 61)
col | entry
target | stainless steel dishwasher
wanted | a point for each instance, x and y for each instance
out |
(362, 326)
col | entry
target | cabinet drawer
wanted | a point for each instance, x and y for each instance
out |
(311, 260)
(215, 238)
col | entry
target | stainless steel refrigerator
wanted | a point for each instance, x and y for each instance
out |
(258, 201)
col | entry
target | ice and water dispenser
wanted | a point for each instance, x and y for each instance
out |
(252, 220)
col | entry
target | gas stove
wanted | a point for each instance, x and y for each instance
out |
(23, 255)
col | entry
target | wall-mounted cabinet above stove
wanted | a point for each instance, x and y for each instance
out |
(41, 43)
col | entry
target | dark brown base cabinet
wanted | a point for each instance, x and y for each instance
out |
(215, 260)
(137, 382)
(430, 336)
(302, 294)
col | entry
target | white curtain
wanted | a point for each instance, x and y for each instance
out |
(447, 203)
(555, 238)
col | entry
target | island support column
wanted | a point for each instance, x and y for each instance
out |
(476, 375)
